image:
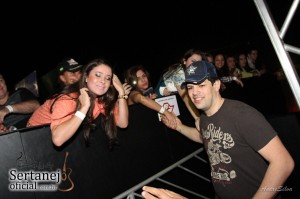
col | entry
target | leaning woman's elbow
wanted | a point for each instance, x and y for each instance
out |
(123, 124)
(57, 142)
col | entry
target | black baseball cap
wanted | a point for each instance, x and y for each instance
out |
(69, 64)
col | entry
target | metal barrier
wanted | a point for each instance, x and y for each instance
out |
(135, 191)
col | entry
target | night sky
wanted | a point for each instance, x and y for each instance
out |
(37, 37)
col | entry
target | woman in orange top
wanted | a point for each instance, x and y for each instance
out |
(99, 91)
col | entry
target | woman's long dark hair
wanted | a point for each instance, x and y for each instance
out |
(131, 78)
(109, 99)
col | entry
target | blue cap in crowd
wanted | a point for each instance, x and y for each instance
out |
(198, 72)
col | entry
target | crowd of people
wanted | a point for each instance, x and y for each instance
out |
(237, 138)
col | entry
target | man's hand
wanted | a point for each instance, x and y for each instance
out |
(3, 113)
(172, 124)
(3, 129)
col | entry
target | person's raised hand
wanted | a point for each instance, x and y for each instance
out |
(84, 100)
(118, 85)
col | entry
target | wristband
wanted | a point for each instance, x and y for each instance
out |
(80, 115)
(234, 78)
(162, 110)
(10, 108)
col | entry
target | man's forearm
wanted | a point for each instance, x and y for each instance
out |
(190, 132)
(25, 107)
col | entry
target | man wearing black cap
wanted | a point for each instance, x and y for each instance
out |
(69, 71)
(247, 158)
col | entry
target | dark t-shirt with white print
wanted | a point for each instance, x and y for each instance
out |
(232, 137)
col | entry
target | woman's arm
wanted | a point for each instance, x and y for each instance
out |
(137, 97)
(123, 91)
(65, 130)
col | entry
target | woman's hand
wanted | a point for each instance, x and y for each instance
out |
(118, 85)
(152, 95)
(84, 99)
(166, 92)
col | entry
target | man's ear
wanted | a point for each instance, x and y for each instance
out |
(217, 85)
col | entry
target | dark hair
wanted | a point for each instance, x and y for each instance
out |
(213, 79)
(9, 87)
(191, 52)
(175, 67)
(246, 67)
(109, 99)
(131, 78)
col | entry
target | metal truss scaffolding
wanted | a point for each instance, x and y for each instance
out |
(280, 47)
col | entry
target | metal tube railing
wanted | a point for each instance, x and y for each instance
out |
(129, 194)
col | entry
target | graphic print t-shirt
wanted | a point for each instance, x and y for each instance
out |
(232, 137)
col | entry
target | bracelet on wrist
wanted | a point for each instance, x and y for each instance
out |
(10, 108)
(80, 115)
(123, 96)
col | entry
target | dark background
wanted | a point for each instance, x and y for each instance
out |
(37, 36)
